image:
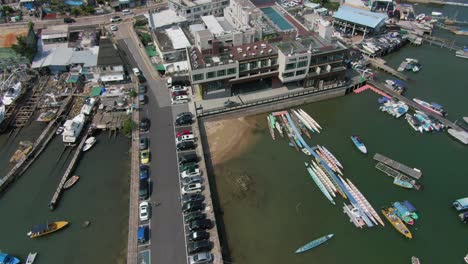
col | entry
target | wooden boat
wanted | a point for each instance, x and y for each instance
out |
(396, 222)
(31, 258)
(70, 182)
(314, 243)
(415, 260)
(89, 143)
(44, 229)
(20, 154)
(402, 183)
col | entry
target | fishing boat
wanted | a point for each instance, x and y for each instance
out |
(314, 243)
(70, 182)
(44, 229)
(396, 222)
(402, 183)
(12, 94)
(31, 258)
(89, 143)
(403, 213)
(319, 184)
(411, 209)
(415, 260)
(271, 127)
(461, 204)
(433, 107)
(462, 53)
(72, 128)
(359, 145)
(7, 259)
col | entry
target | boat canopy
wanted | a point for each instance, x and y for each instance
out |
(436, 105)
(39, 228)
(399, 83)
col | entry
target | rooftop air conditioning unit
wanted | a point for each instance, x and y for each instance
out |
(231, 61)
(244, 55)
(261, 52)
(208, 65)
(263, 45)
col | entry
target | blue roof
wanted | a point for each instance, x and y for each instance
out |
(360, 16)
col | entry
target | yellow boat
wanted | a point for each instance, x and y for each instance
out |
(390, 214)
(44, 229)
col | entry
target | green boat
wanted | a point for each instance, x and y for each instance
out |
(315, 243)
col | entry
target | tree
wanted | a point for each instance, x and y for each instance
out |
(26, 45)
(75, 11)
(8, 10)
(129, 126)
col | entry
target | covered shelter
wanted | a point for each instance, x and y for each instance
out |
(356, 19)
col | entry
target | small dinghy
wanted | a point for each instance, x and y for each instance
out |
(70, 182)
(89, 143)
(59, 130)
(31, 258)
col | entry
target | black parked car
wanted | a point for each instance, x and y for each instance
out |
(184, 119)
(194, 216)
(188, 158)
(144, 143)
(193, 197)
(68, 20)
(142, 88)
(144, 124)
(199, 246)
(198, 235)
(193, 206)
(144, 189)
(201, 224)
(186, 145)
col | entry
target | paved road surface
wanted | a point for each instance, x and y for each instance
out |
(167, 243)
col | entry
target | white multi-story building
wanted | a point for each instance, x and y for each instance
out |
(193, 10)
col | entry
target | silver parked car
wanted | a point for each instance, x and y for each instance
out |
(201, 258)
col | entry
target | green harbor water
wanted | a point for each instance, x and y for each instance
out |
(283, 209)
(100, 196)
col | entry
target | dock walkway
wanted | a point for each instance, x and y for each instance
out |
(394, 174)
(414, 105)
(380, 64)
(67, 173)
(398, 166)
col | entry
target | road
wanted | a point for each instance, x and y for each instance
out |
(167, 240)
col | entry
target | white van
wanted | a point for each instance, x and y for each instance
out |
(136, 71)
(126, 12)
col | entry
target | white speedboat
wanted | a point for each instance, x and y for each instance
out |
(88, 106)
(31, 258)
(462, 53)
(89, 143)
(436, 13)
(12, 94)
(72, 128)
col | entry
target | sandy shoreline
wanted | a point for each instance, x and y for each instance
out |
(229, 138)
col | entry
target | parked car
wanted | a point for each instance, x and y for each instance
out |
(145, 156)
(68, 20)
(191, 188)
(188, 114)
(193, 179)
(185, 145)
(193, 207)
(198, 235)
(113, 27)
(183, 120)
(183, 132)
(185, 138)
(136, 71)
(141, 78)
(144, 143)
(180, 99)
(144, 124)
(230, 103)
(142, 234)
(189, 166)
(144, 211)
(144, 172)
(142, 99)
(201, 258)
(177, 88)
(189, 217)
(115, 19)
(190, 173)
(142, 88)
(188, 158)
(193, 197)
(126, 12)
(178, 93)
(200, 224)
(143, 190)
(199, 246)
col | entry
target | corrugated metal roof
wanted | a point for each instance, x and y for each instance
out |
(178, 38)
(359, 16)
(212, 24)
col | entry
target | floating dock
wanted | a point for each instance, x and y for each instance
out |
(381, 65)
(394, 173)
(402, 66)
(398, 166)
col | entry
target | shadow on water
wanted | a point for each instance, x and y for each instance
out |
(214, 194)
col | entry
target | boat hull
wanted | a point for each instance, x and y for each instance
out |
(314, 243)
(53, 227)
(396, 222)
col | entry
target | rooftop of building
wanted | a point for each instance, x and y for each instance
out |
(360, 16)
(172, 38)
(164, 18)
(192, 3)
(217, 25)
(108, 54)
(54, 31)
(314, 44)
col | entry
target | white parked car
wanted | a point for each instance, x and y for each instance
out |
(126, 12)
(190, 173)
(144, 211)
(115, 19)
(113, 27)
(185, 138)
(136, 71)
(178, 88)
(180, 99)
(191, 188)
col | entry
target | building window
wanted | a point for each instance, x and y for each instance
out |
(264, 63)
(289, 74)
(300, 72)
(210, 75)
(290, 66)
(253, 65)
(243, 67)
(303, 58)
(301, 64)
(231, 71)
(197, 77)
(221, 73)
(274, 61)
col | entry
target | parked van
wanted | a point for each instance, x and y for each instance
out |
(126, 12)
(142, 234)
(136, 71)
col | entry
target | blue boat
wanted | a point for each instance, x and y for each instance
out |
(7, 259)
(461, 204)
(358, 143)
(315, 243)
(403, 212)
(319, 184)
(402, 183)
(410, 207)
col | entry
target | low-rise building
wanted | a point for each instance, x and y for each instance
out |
(171, 44)
(110, 66)
(195, 9)
(351, 20)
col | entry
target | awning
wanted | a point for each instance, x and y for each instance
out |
(96, 91)
(112, 78)
(160, 67)
(73, 79)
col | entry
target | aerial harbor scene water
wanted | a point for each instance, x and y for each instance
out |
(244, 131)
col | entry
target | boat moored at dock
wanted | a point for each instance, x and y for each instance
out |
(359, 145)
(319, 184)
(72, 128)
(12, 94)
(70, 182)
(462, 54)
(89, 143)
(461, 204)
(399, 181)
(390, 214)
(314, 243)
(44, 229)
(433, 107)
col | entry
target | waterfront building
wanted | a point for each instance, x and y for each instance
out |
(110, 67)
(195, 9)
(352, 20)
